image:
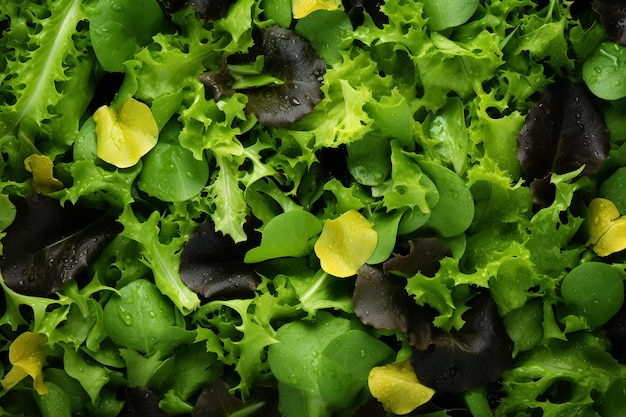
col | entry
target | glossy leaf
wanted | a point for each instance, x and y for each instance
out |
(140, 318)
(595, 291)
(443, 14)
(115, 33)
(212, 265)
(289, 234)
(47, 245)
(293, 60)
(563, 132)
(471, 357)
(302, 8)
(171, 173)
(602, 71)
(607, 228)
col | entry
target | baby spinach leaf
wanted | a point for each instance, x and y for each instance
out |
(594, 290)
(454, 211)
(48, 244)
(325, 29)
(140, 318)
(443, 14)
(118, 29)
(291, 233)
(171, 173)
(603, 70)
(324, 362)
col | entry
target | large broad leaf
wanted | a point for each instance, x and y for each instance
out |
(613, 16)
(563, 131)
(48, 244)
(212, 265)
(120, 28)
(472, 357)
(139, 317)
(288, 85)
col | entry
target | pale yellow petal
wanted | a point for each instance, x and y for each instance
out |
(125, 135)
(27, 354)
(601, 213)
(613, 240)
(397, 388)
(345, 244)
(302, 8)
(41, 166)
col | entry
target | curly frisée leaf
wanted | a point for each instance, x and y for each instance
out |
(126, 134)
(345, 244)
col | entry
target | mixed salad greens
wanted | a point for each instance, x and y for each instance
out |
(312, 208)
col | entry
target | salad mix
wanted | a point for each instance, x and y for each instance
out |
(312, 208)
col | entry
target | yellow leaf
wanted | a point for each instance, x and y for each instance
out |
(43, 177)
(397, 388)
(607, 227)
(27, 355)
(125, 135)
(302, 8)
(345, 244)
(613, 240)
(601, 213)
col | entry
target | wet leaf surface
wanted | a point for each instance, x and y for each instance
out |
(563, 131)
(212, 265)
(48, 245)
(471, 357)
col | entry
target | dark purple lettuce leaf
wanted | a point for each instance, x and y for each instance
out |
(212, 265)
(613, 17)
(48, 245)
(356, 8)
(216, 401)
(381, 301)
(293, 60)
(209, 10)
(471, 357)
(141, 402)
(287, 57)
(423, 257)
(563, 131)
